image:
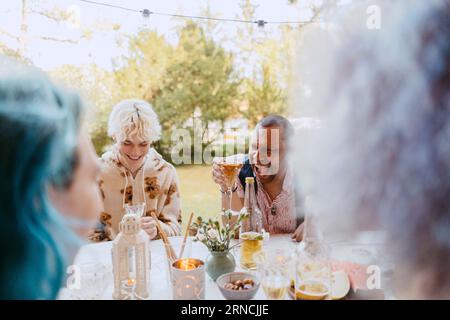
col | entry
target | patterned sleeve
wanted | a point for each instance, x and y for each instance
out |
(103, 230)
(170, 213)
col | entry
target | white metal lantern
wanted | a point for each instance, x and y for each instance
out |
(131, 257)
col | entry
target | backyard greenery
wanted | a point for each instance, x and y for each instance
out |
(195, 79)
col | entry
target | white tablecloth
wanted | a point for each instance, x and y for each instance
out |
(100, 253)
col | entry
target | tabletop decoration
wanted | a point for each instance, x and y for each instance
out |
(188, 279)
(131, 256)
(217, 239)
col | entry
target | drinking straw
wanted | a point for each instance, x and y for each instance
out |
(186, 235)
(170, 252)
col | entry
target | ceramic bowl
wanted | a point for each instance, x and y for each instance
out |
(230, 294)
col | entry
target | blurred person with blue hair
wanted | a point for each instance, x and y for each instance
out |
(47, 165)
(382, 158)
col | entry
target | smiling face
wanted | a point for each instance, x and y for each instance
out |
(132, 152)
(268, 152)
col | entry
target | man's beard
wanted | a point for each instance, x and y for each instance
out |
(260, 174)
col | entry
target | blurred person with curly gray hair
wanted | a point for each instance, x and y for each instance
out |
(382, 158)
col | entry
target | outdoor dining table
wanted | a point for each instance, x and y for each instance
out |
(160, 289)
(99, 254)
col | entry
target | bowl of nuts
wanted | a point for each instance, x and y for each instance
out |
(238, 285)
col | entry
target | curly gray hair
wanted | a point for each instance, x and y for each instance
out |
(383, 156)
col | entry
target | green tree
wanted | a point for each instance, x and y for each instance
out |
(97, 86)
(269, 80)
(140, 72)
(200, 83)
(193, 79)
(15, 54)
(264, 97)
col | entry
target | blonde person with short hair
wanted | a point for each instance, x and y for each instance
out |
(133, 173)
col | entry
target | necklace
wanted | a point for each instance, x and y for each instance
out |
(273, 210)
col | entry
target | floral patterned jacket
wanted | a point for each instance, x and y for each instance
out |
(155, 184)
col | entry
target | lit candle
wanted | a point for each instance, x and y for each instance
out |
(188, 279)
(188, 264)
(128, 287)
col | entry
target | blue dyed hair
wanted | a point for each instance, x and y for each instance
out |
(38, 135)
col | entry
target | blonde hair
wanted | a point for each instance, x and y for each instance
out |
(134, 117)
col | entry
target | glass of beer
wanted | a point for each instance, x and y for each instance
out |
(250, 232)
(252, 243)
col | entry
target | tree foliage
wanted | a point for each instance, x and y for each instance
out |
(194, 79)
(97, 86)
(201, 79)
(264, 97)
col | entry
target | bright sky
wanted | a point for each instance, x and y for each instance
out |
(103, 46)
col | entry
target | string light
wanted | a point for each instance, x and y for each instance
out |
(146, 15)
(146, 19)
(261, 35)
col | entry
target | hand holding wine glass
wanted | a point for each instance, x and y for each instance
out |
(218, 175)
(225, 172)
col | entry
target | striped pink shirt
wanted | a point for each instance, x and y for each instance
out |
(278, 215)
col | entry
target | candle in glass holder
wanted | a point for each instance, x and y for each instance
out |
(188, 279)
(128, 289)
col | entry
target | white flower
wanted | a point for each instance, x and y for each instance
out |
(212, 233)
(200, 236)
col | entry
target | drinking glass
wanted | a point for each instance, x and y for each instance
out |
(313, 272)
(137, 209)
(93, 281)
(230, 167)
(275, 270)
(252, 243)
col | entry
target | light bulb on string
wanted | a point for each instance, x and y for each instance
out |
(261, 34)
(145, 19)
